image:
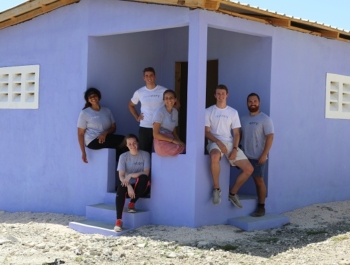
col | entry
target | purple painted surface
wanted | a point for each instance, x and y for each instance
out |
(108, 46)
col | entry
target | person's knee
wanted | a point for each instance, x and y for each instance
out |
(143, 178)
(248, 169)
(259, 181)
(121, 190)
(215, 156)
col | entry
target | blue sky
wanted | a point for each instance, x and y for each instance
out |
(332, 12)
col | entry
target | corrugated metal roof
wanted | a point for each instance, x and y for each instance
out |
(32, 8)
(290, 16)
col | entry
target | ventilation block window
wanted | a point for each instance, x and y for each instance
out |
(19, 87)
(338, 96)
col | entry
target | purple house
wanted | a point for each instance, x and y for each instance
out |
(51, 51)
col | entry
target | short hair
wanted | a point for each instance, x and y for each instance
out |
(221, 87)
(149, 69)
(252, 95)
(169, 91)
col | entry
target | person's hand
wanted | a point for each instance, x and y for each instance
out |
(178, 142)
(131, 192)
(84, 158)
(233, 154)
(125, 181)
(140, 117)
(262, 159)
(222, 147)
(102, 138)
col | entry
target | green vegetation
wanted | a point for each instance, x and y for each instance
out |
(317, 232)
(228, 247)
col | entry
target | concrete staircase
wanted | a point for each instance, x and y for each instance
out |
(100, 218)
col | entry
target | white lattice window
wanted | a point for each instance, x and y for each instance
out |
(19, 87)
(338, 96)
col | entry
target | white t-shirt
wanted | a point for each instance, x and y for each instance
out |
(168, 121)
(222, 121)
(151, 100)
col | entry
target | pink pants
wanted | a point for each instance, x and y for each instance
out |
(165, 148)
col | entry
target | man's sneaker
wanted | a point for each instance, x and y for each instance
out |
(118, 225)
(216, 196)
(235, 200)
(260, 211)
(131, 207)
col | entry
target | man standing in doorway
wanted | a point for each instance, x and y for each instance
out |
(257, 137)
(151, 98)
(220, 119)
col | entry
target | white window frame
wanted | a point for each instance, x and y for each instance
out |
(19, 87)
(337, 96)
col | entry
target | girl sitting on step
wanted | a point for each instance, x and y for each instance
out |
(133, 167)
(165, 121)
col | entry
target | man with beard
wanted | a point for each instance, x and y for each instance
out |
(257, 137)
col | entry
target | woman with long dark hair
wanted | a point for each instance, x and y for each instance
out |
(96, 126)
(133, 168)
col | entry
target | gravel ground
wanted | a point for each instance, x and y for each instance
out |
(317, 234)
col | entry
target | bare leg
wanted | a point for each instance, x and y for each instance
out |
(215, 157)
(260, 189)
(247, 170)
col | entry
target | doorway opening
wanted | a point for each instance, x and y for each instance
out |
(181, 77)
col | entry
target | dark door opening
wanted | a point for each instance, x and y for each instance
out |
(181, 77)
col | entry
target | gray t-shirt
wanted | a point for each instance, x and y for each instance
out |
(95, 122)
(168, 121)
(254, 131)
(134, 163)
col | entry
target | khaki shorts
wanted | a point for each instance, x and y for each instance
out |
(240, 155)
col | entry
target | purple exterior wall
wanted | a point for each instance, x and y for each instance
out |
(109, 45)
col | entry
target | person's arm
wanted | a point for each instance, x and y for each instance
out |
(158, 135)
(81, 133)
(102, 137)
(136, 175)
(236, 138)
(176, 139)
(267, 147)
(125, 179)
(212, 138)
(122, 178)
(133, 111)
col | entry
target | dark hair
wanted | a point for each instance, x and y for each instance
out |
(149, 69)
(90, 92)
(129, 136)
(221, 87)
(252, 95)
(169, 91)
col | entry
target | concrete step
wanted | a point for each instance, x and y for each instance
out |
(106, 213)
(96, 227)
(249, 223)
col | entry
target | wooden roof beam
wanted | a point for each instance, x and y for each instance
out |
(212, 5)
(279, 22)
(242, 16)
(39, 10)
(329, 34)
(305, 31)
